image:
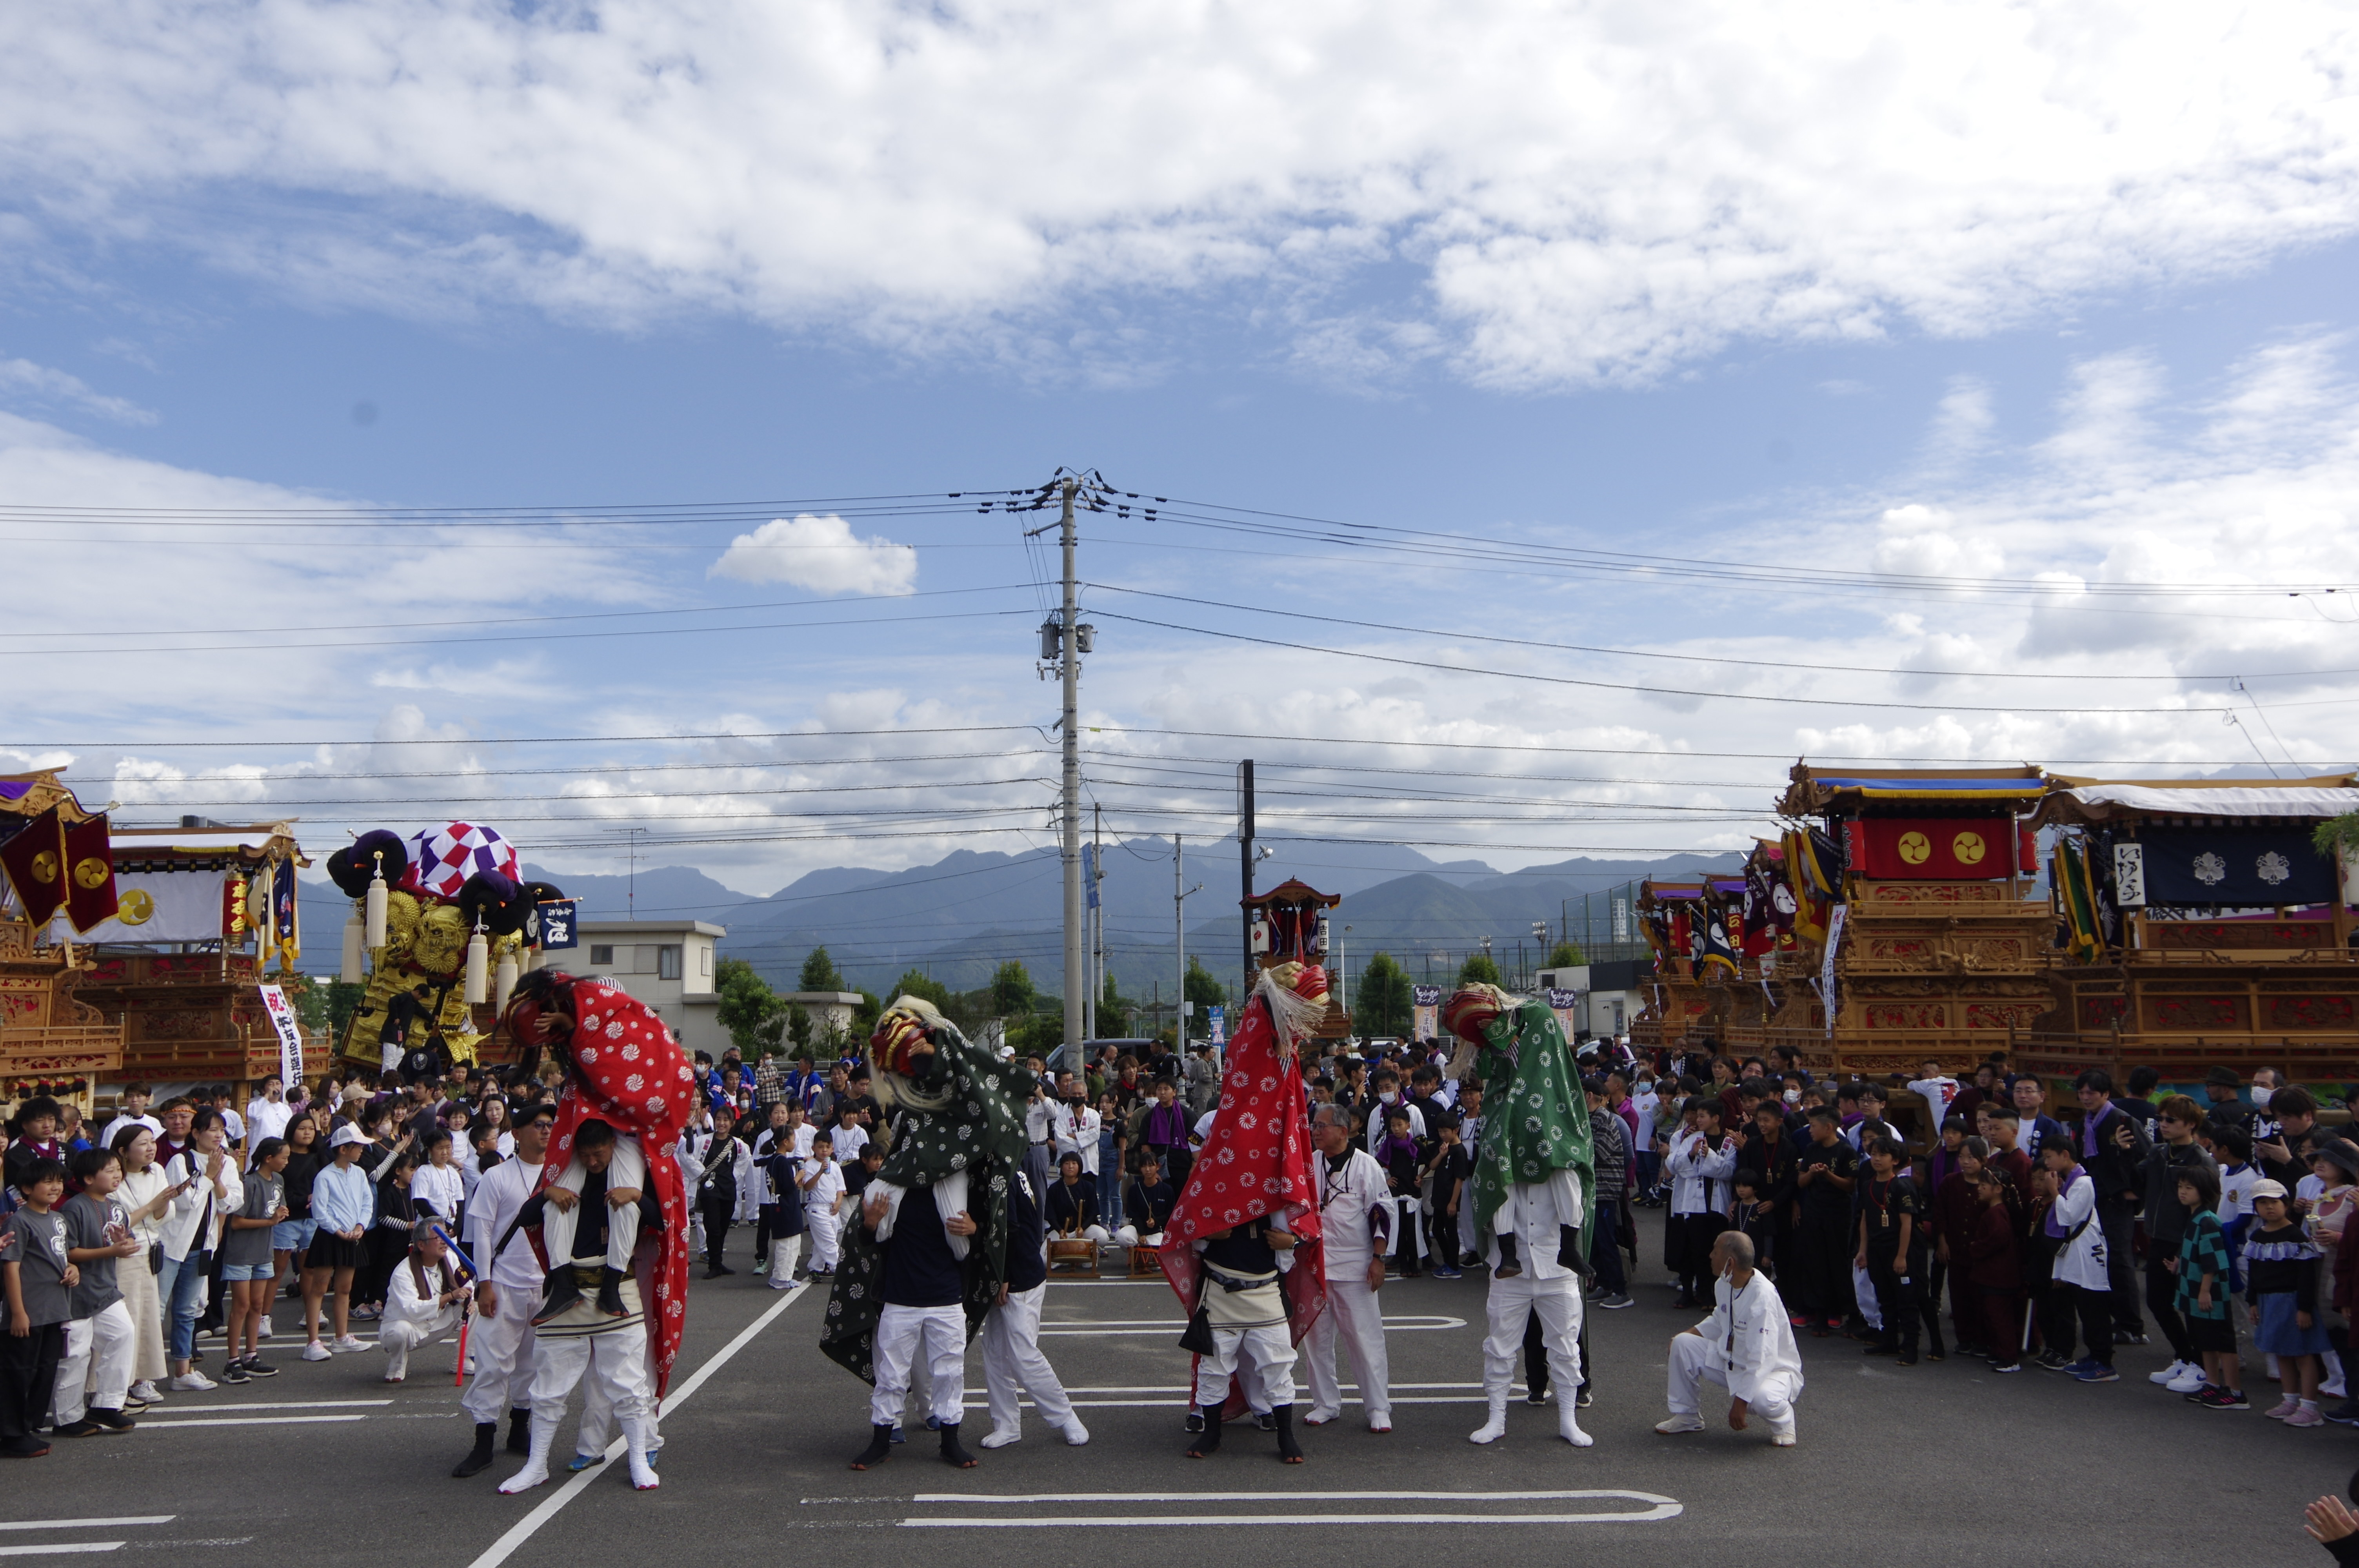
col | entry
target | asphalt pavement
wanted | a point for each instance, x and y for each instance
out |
(326, 1465)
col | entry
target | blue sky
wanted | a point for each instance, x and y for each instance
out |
(1995, 295)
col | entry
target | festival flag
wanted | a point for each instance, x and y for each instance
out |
(35, 860)
(1714, 950)
(90, 892)
(282, 910)
(2086, 942)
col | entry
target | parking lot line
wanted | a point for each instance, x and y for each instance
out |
(87, 1523)
(1656, 1507)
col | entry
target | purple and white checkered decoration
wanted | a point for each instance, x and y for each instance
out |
(442, 858)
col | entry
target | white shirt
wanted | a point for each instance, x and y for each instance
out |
(1077, 1133)
(2083, 1260)
(820, 1199)
(1753, 1340)
(1347, 1194)
(799, 1142)
(183, 1219)
(106, 1139)
(268, 1119)
(2236, 1191)
(1536, 1214)
(440, 1188)
(498, 1195)
(404, 1304)
(1036, 1120)
(1644, 1104)
(1699, 1176)
(849, 1142)
(233, 1125)
(1940, 1094)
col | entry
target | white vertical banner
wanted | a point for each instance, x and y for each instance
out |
(1827, 966)
(290, 1033)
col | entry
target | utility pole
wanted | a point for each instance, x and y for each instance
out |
(1068, 623)
(1179, 936)
(1096, 916)
(1246, 864)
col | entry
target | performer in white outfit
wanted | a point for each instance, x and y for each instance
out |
(1533, 1217)
(1252, 1339)
(1355, 1226)
(507, 1289)
(425, 1299)
(584, 1339)
(1746, 1346)
(629, 1168)
(1013, 1365)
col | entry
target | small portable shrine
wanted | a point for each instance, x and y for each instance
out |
(2196, 924)
(1291, 924)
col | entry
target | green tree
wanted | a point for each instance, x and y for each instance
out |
(1478, 969)
(1207, 994)
(1011, 990)
(1380, 1005)
(2339, 836)
(1113, 1012)
(915, 982)
(1564, 955)
(1041, 1032)
(819, 973)
(749, 1009)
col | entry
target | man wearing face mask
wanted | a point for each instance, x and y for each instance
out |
(1746, 1346)
(1387, 1096)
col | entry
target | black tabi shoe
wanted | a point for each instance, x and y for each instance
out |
(1570, 1254)
(954, 1452)
(479, 1459)
(1510, 1265)
(1265, 1419)
(1195, 1421)
(1209, 1440)
(1288, 1451)
(519, 1431)
(561, 1292)
(609, 1292)
(879, 1449)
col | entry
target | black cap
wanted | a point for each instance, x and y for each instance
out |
(2225, 1076)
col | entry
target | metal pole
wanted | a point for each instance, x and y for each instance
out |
(1179, 941)
(1076, 966)
(1094, 911)
(1244, 863)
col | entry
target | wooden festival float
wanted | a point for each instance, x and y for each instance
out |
(53, 867)
(446, 906)
(201, 910)
(1719, 955)
(1922, 885)
(1289, 924)
(2197, 926)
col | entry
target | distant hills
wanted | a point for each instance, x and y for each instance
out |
(959, 918)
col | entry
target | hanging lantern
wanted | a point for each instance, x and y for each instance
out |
(504, 982)
(374, 935)
(350, 971)
(479, 967)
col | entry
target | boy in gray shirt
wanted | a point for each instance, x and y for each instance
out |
(35, 1277)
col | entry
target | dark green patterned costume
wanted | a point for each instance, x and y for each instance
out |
(979, 1133)
(1535, 1115)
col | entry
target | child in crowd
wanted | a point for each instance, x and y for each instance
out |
(1453, 1169)
(248, 1269)
(2202, 1291)
(438, 1190)
(1993, 1264)
(2281, 1276)
(822, 1187)
(1952, 1209)
(2232, 1148)
(850, 1136)
(37, 1279)
(1756, 1218)
(1892, 1248)
(1399, 1155)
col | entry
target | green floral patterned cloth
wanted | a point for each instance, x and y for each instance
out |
(1535, 1115)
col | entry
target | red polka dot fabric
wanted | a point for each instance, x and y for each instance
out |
(630, 1073)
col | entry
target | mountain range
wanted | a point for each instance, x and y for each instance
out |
(961, 916)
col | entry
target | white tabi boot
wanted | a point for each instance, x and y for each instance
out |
(1568, 1417)
(536, 1464)
(634, 1439)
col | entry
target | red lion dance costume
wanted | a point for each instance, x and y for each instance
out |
(1251, 1178)
(623, 1067)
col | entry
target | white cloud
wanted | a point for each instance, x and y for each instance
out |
(821, 554)
(25, 382)
(1591, 192)
(1962, 422)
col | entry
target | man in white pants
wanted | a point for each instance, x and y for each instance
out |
(1354, 1224)
(1012, 1363)
(1535, 1216)
(1253, 1340)
(424, 1299)
(584, 1339)
(1746, 1346)
(923, 1233)
(626, 1173)
(507, 1289)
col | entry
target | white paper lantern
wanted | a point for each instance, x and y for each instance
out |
(350, 971)
(376, 897)
(479, 970)
(503, 983)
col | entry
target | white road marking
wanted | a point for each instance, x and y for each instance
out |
(61, 1546)
(1414, 1324)
(526, 1528)
(88, 1523)
(1657, 1508)
(247, 1420)
(157, 1412)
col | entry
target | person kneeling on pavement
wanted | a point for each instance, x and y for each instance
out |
(425, 1299)
(1746, 1346)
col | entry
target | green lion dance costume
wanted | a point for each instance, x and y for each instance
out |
(1535, 1181)
(957, 1115)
